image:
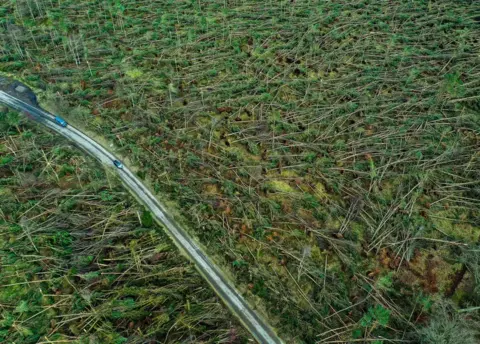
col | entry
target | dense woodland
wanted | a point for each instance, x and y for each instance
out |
(326, 153)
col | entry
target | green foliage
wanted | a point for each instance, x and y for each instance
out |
(21, 308)
(75, 264)
(260, 289)
(193, 160)
(5, 160)
(376, 101)
(454, 84)
(13, 118)
(448, 327)
(106, 196)
(147, 219)
(377, 314)
(239, 263)
(385, 282)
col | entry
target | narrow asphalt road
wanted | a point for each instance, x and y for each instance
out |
(255, 324)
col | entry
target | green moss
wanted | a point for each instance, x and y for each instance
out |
(82, 263)
(280, 186)
(134, 73)
(296, 118)
(446, 223)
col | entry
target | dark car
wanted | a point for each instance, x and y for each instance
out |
(60, 121)
(118, 164)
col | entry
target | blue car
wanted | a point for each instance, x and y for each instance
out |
(118, 164)
(60, 121)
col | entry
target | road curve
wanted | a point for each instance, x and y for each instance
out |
(259, 329)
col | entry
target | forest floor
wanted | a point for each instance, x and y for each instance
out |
(326, 153)
(81, 262)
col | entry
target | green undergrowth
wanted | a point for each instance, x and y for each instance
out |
(326, 151)
(81, 262)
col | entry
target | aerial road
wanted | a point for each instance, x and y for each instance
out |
(254, 323)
